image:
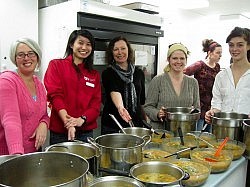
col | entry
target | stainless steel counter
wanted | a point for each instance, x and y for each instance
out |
(235, 176)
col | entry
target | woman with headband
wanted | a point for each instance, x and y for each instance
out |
(172, 88)
(205, 71)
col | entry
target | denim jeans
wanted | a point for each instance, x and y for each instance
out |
(201, 123)
(59, 137)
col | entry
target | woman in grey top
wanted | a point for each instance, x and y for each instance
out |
(172, 88)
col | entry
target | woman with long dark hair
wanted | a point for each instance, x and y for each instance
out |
(73, 90)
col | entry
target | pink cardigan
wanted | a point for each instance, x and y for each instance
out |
(20, 114)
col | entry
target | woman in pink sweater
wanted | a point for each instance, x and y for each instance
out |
(23, 108)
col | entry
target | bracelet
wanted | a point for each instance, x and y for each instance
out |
(85, 119)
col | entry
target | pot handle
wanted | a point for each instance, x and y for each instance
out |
(147, 139)
(92, 142)
(186, 176)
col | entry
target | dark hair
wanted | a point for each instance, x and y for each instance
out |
(240, 32)
(209, 45)
(88, 62)
(109, 51)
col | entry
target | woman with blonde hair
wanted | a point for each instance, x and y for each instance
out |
(172, 88)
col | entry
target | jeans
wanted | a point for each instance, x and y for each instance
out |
(201, 123)
(60, 137)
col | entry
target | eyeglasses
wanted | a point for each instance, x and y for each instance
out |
(22, 55)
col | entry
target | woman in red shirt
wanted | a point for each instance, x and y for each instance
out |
(73, 90)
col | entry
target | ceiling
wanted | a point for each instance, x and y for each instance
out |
(216, 7)
(226, 7)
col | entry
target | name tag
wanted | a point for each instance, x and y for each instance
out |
(90, 84)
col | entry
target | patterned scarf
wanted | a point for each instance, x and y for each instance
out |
(129, 91)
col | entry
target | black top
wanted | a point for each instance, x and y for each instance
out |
(112, 82)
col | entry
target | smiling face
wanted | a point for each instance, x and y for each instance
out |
(120, 52)
(177, 61)
(27, 64)
(82, 48)
(238, 48)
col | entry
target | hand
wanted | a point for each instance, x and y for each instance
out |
(161, 115)
(40, 134)
(73, 122)
(208, 116)
(124, 114)
(71, 133)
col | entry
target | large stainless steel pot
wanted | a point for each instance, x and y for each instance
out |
(4, 158)
(138, 131)
(246, 137)
(159, 167)
(44, 169)
(83, 149)
(181, 117)
(228, 124)
(120, 151)
(115, 181)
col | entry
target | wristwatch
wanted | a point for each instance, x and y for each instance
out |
(85, 119)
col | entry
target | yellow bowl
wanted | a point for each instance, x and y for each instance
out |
(198, 172)
(172, 145)
(209, 137)
(218, 164)
(236, 147)
(158, 138)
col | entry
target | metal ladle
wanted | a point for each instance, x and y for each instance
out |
(117, 122)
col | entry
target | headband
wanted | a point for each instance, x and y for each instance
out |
(212, 46)
(177, 46)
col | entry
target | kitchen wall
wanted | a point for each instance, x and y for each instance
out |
(190, 29)
(18, 19)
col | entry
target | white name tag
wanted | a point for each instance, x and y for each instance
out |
(90, 84)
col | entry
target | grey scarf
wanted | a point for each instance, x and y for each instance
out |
(129, 91)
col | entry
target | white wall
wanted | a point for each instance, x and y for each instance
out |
(190, 29)
(18, 18)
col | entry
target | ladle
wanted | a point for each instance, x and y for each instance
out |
(149, 127)
(218, 151)
(189, 133)
(176, 153)
(181, 135)
(194, 110)
(117, 122)
(203, 129)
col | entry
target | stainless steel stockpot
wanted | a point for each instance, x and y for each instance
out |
(159, 167)
(181, 117)
(115, 181)
(4, 158)
(120, 151)
(83, 149)
(138, 131)
(44, 169)
(228, 124)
